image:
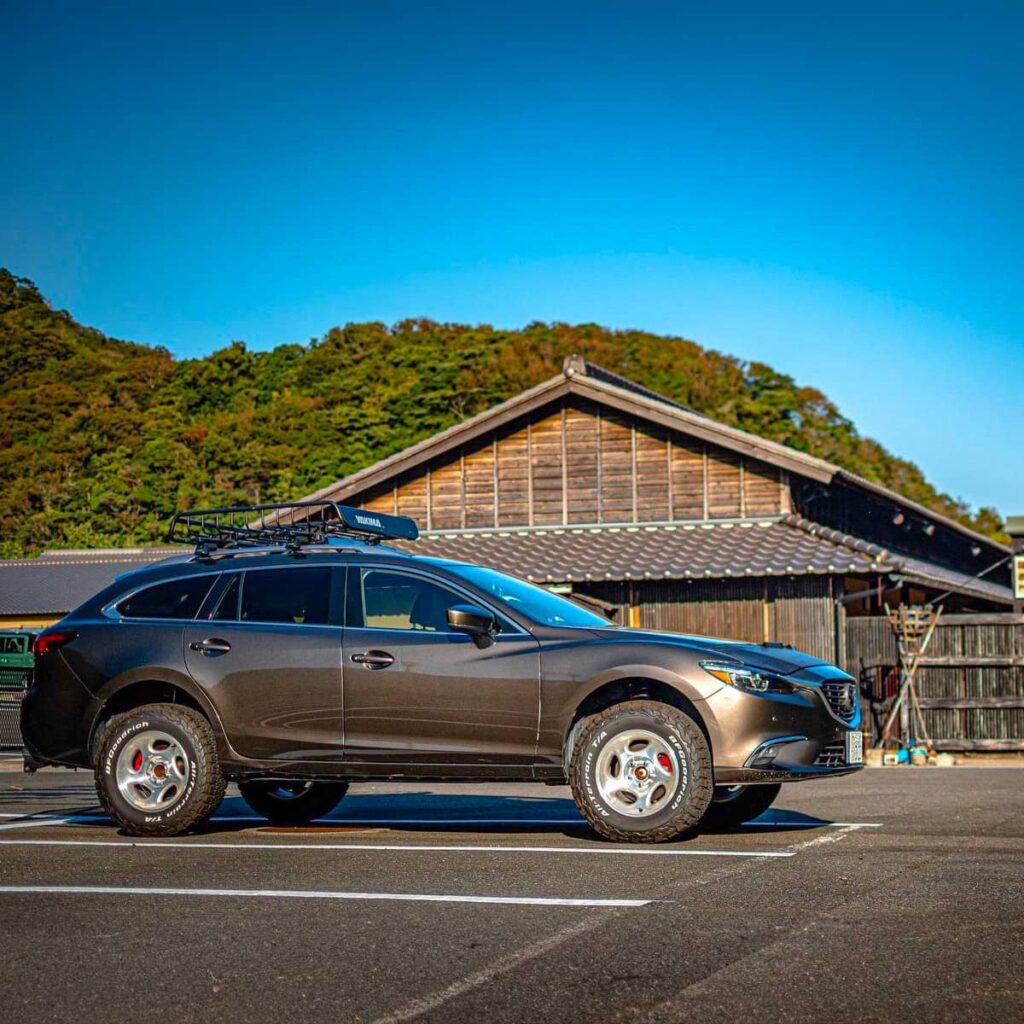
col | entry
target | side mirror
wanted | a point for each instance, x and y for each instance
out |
(474, 621)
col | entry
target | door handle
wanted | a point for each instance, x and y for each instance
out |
(211, 646)
(374, 659)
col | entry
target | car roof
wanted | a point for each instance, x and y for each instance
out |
(254, 558)
(237, 559)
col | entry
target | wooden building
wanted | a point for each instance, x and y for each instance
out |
(594, 484)
(598, 487)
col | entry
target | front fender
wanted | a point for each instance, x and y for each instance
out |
(573, 672)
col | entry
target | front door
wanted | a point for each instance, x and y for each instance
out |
(415, 692)
(268, 653)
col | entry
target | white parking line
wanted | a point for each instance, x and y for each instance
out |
(313, 894)
(36, 823)
(823, 840)
(783, 825)
(630, 851)
(503, 965)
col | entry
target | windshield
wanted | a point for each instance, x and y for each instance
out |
(535, 603)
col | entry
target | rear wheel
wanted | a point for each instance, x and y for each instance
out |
(641, 772)
(292, 803)
(733, 805)
(157, 772)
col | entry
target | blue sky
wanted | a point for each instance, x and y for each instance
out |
(834, 191)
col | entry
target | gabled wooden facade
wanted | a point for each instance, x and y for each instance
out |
(596, 485)
(575, 462)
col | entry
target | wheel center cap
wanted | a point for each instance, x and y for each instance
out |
(639, 770)
(159, 771)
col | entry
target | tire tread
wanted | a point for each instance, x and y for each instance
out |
(210, 782)
(701, 775)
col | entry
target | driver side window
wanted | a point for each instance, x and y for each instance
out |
(396, 600)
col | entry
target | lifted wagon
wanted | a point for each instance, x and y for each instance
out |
(294, 653)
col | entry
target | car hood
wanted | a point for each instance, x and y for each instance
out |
(782, 660)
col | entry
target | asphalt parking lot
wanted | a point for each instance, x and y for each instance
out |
(891, 893)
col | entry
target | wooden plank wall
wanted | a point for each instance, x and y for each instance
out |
(579, 463)
(793, 610)
(971, 680)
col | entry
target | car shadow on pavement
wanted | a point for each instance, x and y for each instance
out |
(462, 814)
(428, 811)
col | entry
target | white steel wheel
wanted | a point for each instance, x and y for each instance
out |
(637, 773)
(152, 771)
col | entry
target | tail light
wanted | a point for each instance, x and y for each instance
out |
(47, 642)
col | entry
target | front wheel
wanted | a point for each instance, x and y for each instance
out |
(292, 803)
(733, 805)
(641, 772)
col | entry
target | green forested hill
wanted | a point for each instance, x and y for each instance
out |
(101, 439)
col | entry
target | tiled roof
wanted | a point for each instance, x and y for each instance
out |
(58, 581)
(949, 579)
(915, 570)
(765, 547)
(722, 549)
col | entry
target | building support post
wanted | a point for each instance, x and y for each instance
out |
(1015, 528)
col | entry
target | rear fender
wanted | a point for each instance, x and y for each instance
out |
(152, 675)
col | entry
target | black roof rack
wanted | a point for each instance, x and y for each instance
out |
(291, 525)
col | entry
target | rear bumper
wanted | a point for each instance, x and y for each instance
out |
(53, 715)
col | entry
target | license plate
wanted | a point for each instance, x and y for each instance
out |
(855, 747)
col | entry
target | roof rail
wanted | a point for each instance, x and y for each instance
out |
(291, 525)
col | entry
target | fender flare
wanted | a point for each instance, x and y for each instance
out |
(152, 674)
(572, 727)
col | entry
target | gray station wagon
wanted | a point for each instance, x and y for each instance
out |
(293, 653)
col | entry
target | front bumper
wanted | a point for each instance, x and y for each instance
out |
(780, 737)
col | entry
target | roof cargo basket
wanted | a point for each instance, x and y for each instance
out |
(291, 525)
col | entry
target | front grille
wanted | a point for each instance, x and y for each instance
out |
(832, 755)
(841, 697)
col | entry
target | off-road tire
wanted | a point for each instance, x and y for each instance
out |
(317, 800)
(205, 786)
(687, 804)
(727, 812)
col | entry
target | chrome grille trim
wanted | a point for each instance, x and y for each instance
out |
(835, 693)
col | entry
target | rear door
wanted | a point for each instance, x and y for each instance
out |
(416, 692)
(267, 650)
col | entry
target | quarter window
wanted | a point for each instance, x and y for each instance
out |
(226, 607)
(299, 596)
(394, 600)
(177, 599)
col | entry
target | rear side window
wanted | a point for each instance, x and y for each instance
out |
(298, 596)
(178, 599)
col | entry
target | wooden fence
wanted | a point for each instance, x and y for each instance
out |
(971, 680)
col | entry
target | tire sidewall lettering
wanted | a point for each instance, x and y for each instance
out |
(687, 759)
(113, 750)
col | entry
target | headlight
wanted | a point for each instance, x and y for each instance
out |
(751, 680)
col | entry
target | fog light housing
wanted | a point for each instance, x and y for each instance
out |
(764, 755)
